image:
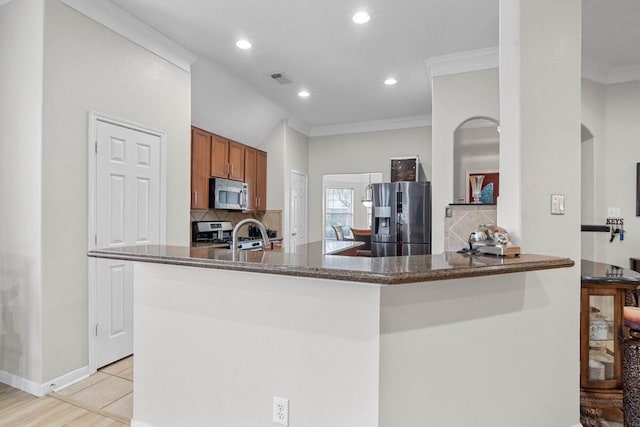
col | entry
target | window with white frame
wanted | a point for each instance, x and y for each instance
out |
(338, 211)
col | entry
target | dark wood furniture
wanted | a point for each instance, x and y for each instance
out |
(605, 290)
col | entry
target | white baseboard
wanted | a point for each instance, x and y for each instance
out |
(40, 390)
(135, 423)
(68, 379)
(20, 383)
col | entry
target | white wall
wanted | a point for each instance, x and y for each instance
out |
(274, 146)
(88, 67)
(21, 56)
(361, 153)
(456, 98)
(224, 104)
(622, 152)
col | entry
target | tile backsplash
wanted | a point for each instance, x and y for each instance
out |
(271, 219)
(464, 220)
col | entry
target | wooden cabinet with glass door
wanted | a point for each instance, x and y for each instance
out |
(601, 335)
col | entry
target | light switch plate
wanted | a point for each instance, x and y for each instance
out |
(613, 212)
(557, 204)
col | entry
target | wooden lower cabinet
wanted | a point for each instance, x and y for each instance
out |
(200, 168)
(601, 337)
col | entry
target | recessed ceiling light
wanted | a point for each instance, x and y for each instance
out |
(243, 44)
(390, 81)
(361, 18)
(303, 94)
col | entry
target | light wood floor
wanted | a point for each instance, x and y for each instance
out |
(104, 400)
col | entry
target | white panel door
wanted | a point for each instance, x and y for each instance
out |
(128, 175)
(298, 217)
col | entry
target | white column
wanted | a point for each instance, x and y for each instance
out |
(540, 73)
(540, 123)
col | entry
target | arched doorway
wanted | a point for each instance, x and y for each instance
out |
(476, 150)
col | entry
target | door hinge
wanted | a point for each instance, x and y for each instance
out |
(96, 145)
(97, 324)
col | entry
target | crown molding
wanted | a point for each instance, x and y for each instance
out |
(372, 126)
(605, 74)
(624, 74)
(299, 125)
(116, 19)
(481, 59)
(594, 70)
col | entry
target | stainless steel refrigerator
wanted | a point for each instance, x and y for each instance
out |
(401, 219)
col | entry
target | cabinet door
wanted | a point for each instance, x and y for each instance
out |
(236, 161)
(601, 322)
(250, 176)
(219, 157)
(200, 158)
(261, 181)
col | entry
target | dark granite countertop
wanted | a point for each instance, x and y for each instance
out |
(598, 272)
(312, 261)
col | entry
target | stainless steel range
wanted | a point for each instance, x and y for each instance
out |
(219, 233)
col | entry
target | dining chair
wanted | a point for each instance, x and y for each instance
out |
(339, 232)
(362, 235)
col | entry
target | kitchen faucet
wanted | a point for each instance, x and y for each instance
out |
(234, 235)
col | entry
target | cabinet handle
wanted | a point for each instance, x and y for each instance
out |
(231, 169)
(226, 168)
(195, 197)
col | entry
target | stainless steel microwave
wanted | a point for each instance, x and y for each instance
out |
(227, 194)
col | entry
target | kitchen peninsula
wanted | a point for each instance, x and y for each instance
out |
(349, 341)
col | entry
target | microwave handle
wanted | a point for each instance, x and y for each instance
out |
(243, 198)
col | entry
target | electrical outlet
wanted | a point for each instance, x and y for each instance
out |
(280, 410)
(613, 212)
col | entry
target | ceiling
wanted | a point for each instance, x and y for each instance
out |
(342, 64)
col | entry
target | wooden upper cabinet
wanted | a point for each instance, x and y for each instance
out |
(250, 176)
(261, 181)
(236, 161)
(227, 159)
(200, 166)
(219, 157)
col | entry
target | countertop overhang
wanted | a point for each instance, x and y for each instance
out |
(312, 260)
(599, 272)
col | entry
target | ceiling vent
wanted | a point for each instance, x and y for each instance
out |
(281, 78)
